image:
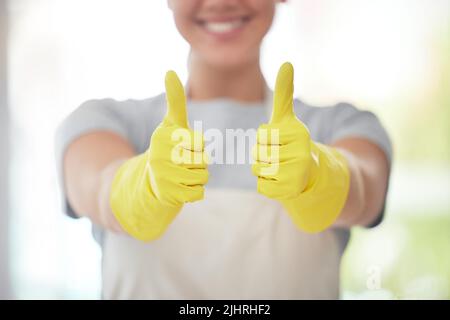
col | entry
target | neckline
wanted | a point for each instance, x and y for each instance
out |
(224, 101)
(266, 103)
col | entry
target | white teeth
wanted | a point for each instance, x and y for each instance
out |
(223, 27)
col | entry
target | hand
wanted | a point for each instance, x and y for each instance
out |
(149, 190)
(176, 158)
(309, 179)
(283, 160)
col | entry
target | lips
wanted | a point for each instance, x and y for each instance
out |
(223, 26)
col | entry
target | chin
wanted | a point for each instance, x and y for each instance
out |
(229, 58)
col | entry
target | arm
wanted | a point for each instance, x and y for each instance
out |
(369, 172)
(88, 174)
(139, 194)
(343, 184)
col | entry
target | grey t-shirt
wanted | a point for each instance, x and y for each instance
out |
(232, 186)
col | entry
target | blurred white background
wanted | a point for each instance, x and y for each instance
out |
(380, 55)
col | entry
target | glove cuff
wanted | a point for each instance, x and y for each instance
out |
(320, 204)
(134, 204)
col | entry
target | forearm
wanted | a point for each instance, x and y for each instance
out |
(368, 182)
(354, 208)
(88, 175)
(104, 212)
(92, 201)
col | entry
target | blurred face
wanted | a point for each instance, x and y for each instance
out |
(224, 33)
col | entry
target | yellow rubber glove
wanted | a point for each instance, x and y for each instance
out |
(310, 180)
(150, 189)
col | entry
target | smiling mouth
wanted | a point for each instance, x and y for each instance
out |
(223, 27)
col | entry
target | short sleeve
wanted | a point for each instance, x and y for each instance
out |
(93, 115)
(348, 121)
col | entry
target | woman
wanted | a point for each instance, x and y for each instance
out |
(180, 228)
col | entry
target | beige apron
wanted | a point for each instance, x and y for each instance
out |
(235, 244)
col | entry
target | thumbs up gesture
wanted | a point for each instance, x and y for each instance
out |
(150, 189)
(283, 154)
(177, 162)
(309, 179)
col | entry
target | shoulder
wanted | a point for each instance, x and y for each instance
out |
(133, 119)
(308, 111)
(328, 124)
(121, 107)
(335, 116)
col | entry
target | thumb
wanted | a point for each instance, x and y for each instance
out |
(176, 101)
(283, 106)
